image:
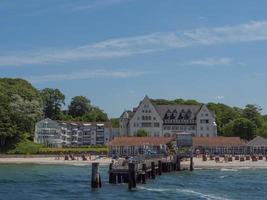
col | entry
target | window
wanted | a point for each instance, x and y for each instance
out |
(146, 124)
(208, 128)
(201, 128)
(156, 124)
(154, 118)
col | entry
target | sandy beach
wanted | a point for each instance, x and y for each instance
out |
(53, 160)
(198, 163)
(209, 164)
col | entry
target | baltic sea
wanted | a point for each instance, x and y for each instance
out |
(58, 182)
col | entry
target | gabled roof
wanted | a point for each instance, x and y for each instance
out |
(162, 109)
(258, 141)
(217, 141)
(139, 141)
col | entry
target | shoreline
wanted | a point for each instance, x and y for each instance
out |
(198, 163)
(52, 161)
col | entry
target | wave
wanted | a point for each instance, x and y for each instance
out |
(185, 191)
(229, 170)
(202, 195)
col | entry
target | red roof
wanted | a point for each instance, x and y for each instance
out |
(139, 141)
(217, 141)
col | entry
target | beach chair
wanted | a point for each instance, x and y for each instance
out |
(236, 157)
(84, 158)
(230, 159)
(242, 159)
(254, 158)
(66, 157)
(217, 159)
(204, 158)
(247, 157)
(260, 157)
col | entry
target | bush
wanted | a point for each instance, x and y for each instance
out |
(25, 147)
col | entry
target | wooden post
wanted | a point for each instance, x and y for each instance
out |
(178, 163)
(95, 179)
(153, 170)
(191, 164)
(131, 176)
(143, 173)
(160, 167)
(119, 178)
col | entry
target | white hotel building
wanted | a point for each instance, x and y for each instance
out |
(167, 120)
(72, 134)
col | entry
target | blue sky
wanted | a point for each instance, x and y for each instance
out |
(116, 51)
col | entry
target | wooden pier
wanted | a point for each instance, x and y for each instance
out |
(137, 171)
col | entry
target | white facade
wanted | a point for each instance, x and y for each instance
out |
(167, 120)
(57, 134)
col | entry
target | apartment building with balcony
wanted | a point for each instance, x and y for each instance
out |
(70, 134)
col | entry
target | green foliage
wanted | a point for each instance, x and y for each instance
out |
(28, 147)
(53, 100)
(79, 106)
(20, 108)
(241, 127)
(142, 133)
(253, 113)
(25, 147)
(175, 102)
(115, 123)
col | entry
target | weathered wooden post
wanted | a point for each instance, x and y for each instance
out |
(131, 176)
(178, 163)
(95, 179)
(160, 167)
(191, 164)
(112, 176)
(153, 170)
(119, 178)
(143, 173)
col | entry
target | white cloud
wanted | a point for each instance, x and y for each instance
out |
(219, 97)
(97, 4)
(212, 62)
(85, 75)
(128, 46)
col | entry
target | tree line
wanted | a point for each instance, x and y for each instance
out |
(22, 105)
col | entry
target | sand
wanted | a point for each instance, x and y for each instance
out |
(198, 163)
(53, 160)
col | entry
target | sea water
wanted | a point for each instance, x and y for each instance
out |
(61, 182)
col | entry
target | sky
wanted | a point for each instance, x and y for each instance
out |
(115, 52)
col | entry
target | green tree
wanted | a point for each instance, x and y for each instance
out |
(142, 133)
(79, 106)
(20, 108)
(253, 113)
(240, 127)
(115, 122)
(224, 114)
(53, 100)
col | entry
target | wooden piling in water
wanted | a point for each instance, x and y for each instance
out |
(95, 178)
(131, 176)
(159, 167)
(143, 177)
(153, 170)
(178, 163)
(191, 164)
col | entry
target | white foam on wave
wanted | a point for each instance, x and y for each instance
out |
(185, 191)
(229, 170)
(202, 195)
(154, 189)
